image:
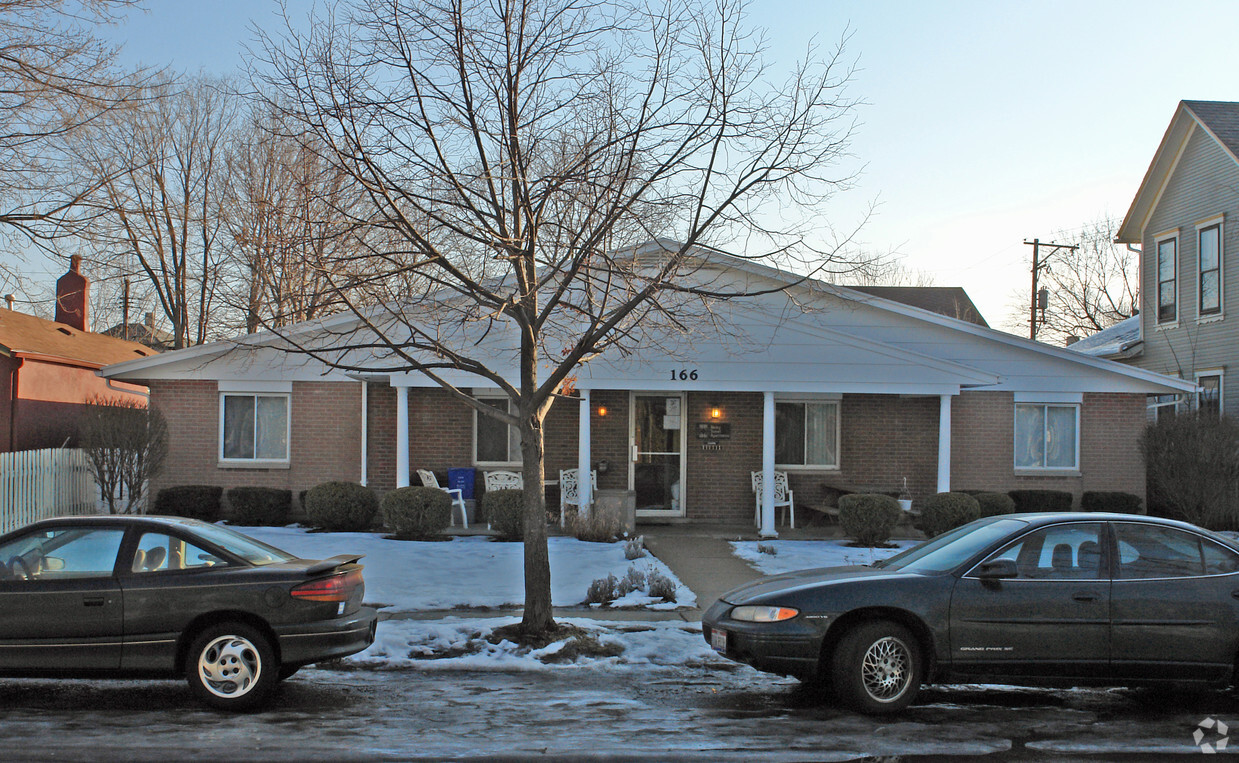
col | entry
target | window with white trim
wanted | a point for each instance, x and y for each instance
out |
(806, 433)
(253, 427)
(495, 442)
(1209, 398)
(1047, 436)
(1209, 249)
(1167, 280)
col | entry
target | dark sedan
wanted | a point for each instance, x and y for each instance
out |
(1040, 599)
(165, 597)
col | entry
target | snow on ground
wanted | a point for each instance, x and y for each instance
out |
(792, 555)
(462, 643)
(469, 571)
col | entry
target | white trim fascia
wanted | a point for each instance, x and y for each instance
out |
(1142, 203)
(1011, 340)
(1076, 398)
(1167, 175)
(242, 385)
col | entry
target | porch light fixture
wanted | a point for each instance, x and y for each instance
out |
(602, 410)
(716, 412)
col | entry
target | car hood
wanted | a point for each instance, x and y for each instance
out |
(790, 582)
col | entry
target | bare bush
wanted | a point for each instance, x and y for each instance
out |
(126, 444)
(1192, 465)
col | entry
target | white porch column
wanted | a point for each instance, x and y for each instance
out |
(944, 443)
(585, 489)
(365, 436)
(767, 467)
(402, 436)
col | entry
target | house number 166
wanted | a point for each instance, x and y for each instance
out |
(684, 374)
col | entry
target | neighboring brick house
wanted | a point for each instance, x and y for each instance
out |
(48, 369)
(835, 386)
(1182, 218)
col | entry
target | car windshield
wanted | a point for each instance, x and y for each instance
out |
(252, 551)
(951, 549)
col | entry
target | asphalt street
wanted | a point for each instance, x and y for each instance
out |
(690, 713)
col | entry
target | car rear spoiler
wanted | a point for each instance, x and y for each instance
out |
(339, 560)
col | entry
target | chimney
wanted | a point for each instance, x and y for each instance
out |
(1072, 340)
(72, 295)
(150, 320)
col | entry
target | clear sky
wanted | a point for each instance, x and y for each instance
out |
(986, 123)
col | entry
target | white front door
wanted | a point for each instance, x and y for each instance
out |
(656, 443)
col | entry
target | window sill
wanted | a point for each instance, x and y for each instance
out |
(804, 468)
(1048, 473)
(253, 465)
(1211, 318)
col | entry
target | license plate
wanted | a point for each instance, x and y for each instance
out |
(718, 640)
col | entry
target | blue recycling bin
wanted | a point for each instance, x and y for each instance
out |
(462, 480)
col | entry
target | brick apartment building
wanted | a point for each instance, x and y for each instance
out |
(840, 388)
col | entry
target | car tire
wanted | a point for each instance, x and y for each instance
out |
(876, 668)
(231, 666)
(288, 671)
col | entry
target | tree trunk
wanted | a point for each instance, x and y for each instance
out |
(539, 616)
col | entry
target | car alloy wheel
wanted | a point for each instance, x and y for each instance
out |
(885, 669)
(231, 666)
(877, 667)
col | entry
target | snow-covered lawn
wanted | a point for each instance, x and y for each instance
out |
(792, 555)
(468, 572)
(462, 643)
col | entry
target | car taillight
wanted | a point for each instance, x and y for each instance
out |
(334, 588)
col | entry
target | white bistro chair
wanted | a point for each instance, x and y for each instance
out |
(782, 497)
(504, 481)
(570, 493)
(429, 479)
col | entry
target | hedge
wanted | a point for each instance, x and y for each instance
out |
(992, 503)
(505, 511)
(417, 512)
(1041, 500)
(260, 506)
(869, 518)
(1110, 500)
(946, 511)
(193, 501)
(341, 506)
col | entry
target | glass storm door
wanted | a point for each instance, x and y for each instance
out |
(658, 454)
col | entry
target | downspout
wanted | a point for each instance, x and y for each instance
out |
(13, 381)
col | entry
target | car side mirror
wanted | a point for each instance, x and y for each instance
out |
(998, 569)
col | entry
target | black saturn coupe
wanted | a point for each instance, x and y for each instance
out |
(166, 597)
(1037, 599)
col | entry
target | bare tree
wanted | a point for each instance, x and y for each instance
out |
(57, 81)
(515, 155)
(156, 214)
(126, 443)
(283, 219)
(1089, 288)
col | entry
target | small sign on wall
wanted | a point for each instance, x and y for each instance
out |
(711, 432)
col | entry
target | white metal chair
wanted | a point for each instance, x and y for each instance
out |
(782, 497)
(570, 493)
(504, 481)
(429, 479)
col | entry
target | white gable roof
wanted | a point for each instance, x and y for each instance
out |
(816, 338)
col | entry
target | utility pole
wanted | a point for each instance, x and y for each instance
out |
(1037, 264)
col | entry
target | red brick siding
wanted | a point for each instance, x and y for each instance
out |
(325, 444)
(983, 449)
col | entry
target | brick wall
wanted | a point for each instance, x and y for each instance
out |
(325, 445)
(983, 449)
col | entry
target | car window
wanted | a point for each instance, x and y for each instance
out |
(1219, 560)
(252, 551)
(951, 549)
(157, 552)
(62, 553)
(1150, 551)
(1058, 552)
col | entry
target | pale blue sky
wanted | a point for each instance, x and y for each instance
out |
(987, 123)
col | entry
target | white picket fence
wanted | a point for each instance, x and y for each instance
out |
(36, 484)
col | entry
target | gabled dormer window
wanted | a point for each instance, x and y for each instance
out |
(1209, 247)
(1167, 280)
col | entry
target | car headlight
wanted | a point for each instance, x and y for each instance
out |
(751, 614)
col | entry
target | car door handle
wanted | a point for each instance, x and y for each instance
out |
(1084, 596)
(93, 601)
(1234, 594)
